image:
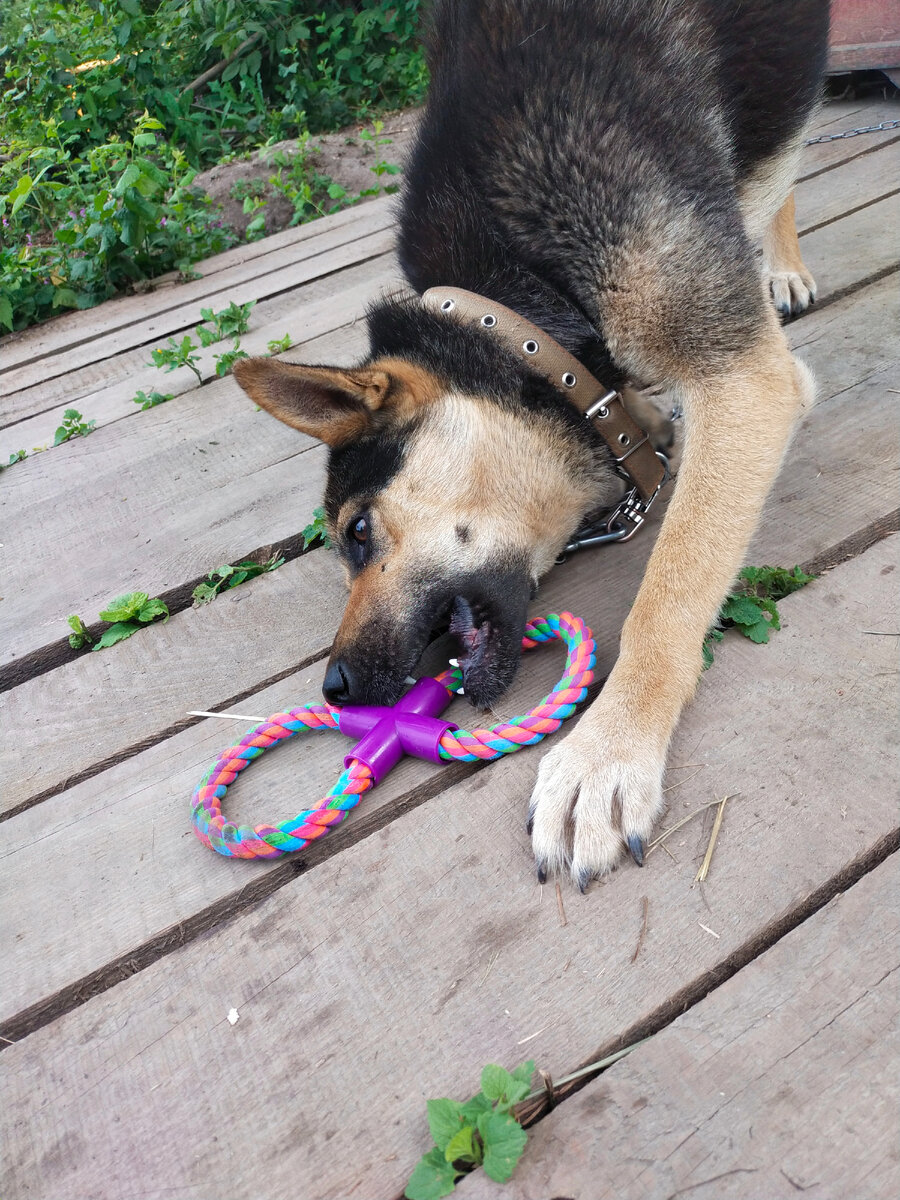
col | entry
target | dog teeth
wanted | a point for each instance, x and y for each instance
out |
(454, 662)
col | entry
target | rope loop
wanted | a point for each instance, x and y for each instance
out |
(271, 841)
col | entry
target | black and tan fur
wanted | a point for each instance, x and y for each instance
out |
(604, 168)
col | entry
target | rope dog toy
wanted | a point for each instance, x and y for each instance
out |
(409, 727)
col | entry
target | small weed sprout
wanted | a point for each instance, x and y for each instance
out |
(482, 1132)
(231, 575)
(225, 361)
(316, 531)
(279, 345)
(126, 615)
(752, 607)
(15, 457)
(72, 426)
(177, 354)
(152, 400)
(231, 322)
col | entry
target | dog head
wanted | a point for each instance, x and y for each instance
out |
(455, 476)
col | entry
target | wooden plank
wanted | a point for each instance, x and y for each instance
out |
(849, 436)
(783, 1080)
(74, 330)
(425, 950)
(321, 304)
(308, 318)
(845, 252)
(158, 324)
(849, 186)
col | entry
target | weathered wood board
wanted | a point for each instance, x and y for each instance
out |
(424, 950)
(782, 1082)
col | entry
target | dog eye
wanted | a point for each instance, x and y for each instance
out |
(358, 537)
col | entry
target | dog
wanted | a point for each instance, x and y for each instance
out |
(598, 172)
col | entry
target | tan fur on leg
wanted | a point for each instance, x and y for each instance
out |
(738, 426)
(792, 287)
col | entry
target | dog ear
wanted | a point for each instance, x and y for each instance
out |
(329, 403)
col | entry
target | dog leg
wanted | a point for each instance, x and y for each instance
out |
(601, 788)
(790, 284)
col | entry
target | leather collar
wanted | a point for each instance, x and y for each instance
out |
(635, 457)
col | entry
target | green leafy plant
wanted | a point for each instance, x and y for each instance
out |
(177, 354)
(482, 1132)
(231, 575)
(72, 426)
(317, 530)
(80, 636)
(279, 345)
(126, 615)
(231, 322)
(225, 361)
(152, 400)
(752, 607)
(17, 456)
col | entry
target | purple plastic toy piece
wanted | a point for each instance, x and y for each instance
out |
(409, 727)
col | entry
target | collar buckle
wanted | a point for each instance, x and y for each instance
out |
(621, 523)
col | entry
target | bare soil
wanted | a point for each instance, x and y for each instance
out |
(345, 158)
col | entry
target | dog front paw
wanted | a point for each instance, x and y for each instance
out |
(595, 795)
(792, 292)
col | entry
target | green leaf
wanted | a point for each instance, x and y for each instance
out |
(64, 297)
(68, 237)
(444, 1120)
(123, 608)
(131, 7)
(742, 610)
(204, 593)
(504, 1140)
(127, 179)
(6, 312)
(153, 609)
(433, 1177)
(714, 635)
(758, 633)
(462, 1147)
(62, 435)
(472, 1109)
(117, 633)
(496, 1081)
(524, 1072)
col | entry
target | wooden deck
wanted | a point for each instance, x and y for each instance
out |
(412, 945)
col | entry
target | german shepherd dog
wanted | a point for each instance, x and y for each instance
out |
(603, 168)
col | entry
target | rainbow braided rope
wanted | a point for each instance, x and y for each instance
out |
(271, 841)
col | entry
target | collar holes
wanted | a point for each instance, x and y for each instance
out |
(489, 320)
(448, 305)
(569, 379)
(530, 347)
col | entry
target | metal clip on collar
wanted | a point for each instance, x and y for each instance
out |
(621, 523)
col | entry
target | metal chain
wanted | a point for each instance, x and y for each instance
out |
(848, 133)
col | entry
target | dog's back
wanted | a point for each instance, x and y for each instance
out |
(605, 143)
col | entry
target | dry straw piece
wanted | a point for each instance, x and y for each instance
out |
(707, 859)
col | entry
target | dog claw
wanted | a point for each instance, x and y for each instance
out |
(636, 846)
(542, 872)
(584, 879)
(529, 824)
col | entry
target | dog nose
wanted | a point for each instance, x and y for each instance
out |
(338, 684)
